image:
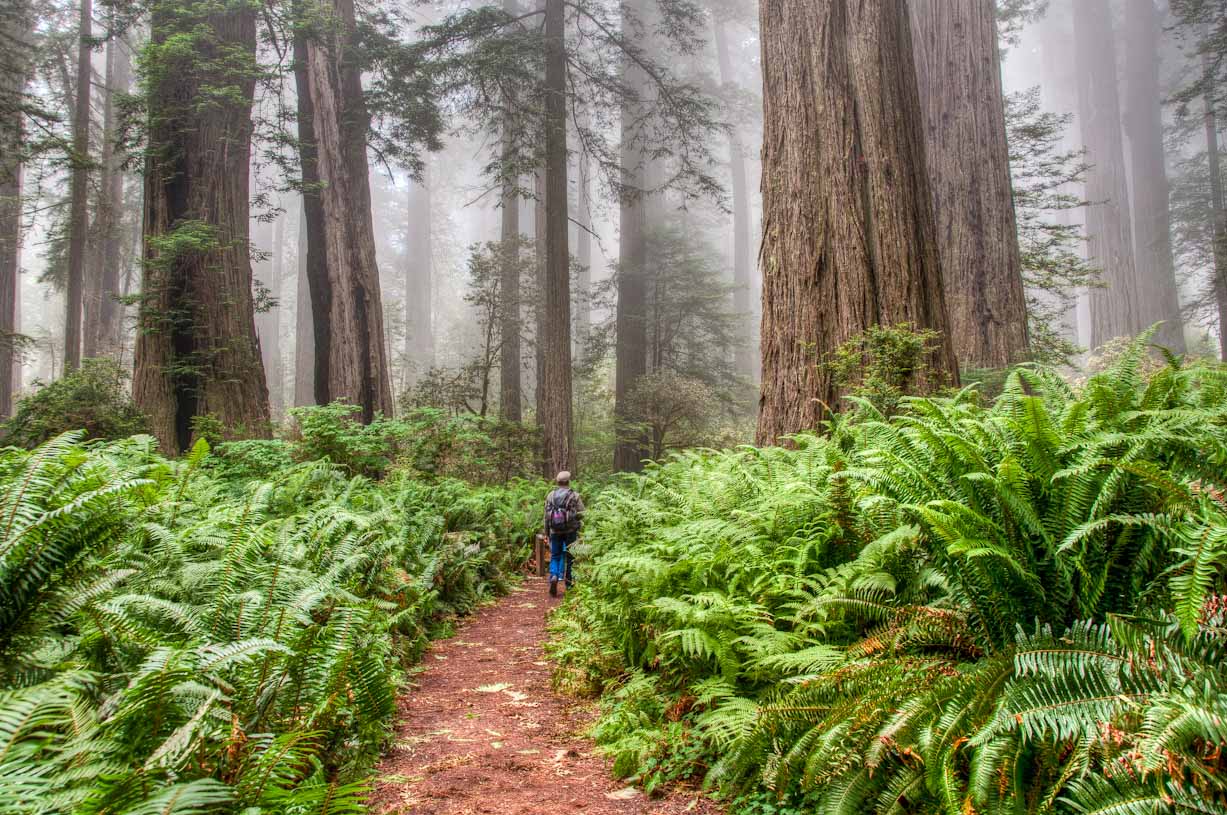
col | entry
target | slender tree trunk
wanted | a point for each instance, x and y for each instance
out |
(78, 225)
(104, 313)
(304, 328)
(1114, 307)
(539, 312)
(351, 355)
(13, 72)
(419, 338)
(558, 419)
(631, 318)
(268, 323)
(1152, 237)
(958, 72)
(1217, 205)
(743, 352)
(849, 239)
(510, 386)
(196, 351)
(583, 239)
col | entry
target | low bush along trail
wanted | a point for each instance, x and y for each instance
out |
(1015, 608)
(173, 640)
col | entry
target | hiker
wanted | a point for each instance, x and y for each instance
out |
(564, 513)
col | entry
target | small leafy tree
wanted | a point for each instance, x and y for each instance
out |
(93, 398)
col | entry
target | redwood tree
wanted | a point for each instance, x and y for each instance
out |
(958, 72)
(78, 218)
(17, 24)
(1114, 306)
(351, 361)
(196, 347)
(419, 273)
(1152, 235)
(849, 239)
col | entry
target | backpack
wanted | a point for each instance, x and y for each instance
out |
(560, 512)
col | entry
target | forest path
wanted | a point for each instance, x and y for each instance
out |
(482, 732)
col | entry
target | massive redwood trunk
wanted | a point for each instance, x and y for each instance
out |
(103, 312)
(848, 234)
(196, 347)
(13, 72)
(958, 72)
(557, 421)
(78, 219)
(743, 352)
(1152, 236)
(350, 352)
(1114, 307)
(631, 318)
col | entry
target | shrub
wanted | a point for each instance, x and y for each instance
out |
(94, 398)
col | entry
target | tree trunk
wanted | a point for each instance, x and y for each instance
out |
(1152, 237)
(304, 327)
(510, 386)
(539, 267)
(78, 225)
(958, 72)
(17, 26)
(1217, 205)
(419, 338)
(196, 351)
(557, 403)
(268, 323)
(104, 313)
(631, 318)
(583, 240)
(849, 239)
(351, 355)
(743, 352)
(1114, 307)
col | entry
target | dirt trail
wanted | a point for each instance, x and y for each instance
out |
(483, 733)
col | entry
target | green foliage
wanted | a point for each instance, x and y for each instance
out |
(177, 638)
(94, 398)
(1011, 608)
(883, 364)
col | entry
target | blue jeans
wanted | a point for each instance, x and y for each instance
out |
(560, 558)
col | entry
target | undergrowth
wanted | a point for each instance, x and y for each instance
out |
(222, 633)
(959, 608)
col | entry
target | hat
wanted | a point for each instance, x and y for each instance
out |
(563, 477)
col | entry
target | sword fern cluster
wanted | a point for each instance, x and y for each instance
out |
(1012, 608)
(175, 642)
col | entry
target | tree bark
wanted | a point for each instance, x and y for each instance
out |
(17, 27)
(351, 355)
(849, 239)
(539, 312)
(631, 318)
(1114, 307)
(196, 349)
(268, 323)
(583, 240)
(743, 352)
(510, 386)
(78, 224)
(557, 403)
(304, 328)
(419, 338)
(958, 72)
(1152, 236)
(103, 311)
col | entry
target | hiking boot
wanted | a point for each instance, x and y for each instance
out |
(553, 587)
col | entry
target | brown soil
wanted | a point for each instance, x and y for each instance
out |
(483, 733)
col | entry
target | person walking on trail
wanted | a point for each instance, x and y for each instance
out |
(564, 514)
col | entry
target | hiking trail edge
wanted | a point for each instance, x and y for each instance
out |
(482, 731)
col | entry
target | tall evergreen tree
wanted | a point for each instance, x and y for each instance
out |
(849, 239)
(16, 26)
(78, 217)
(196, 350)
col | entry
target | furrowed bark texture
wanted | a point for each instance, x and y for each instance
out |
(630, 317)
(14, 69)
(78, 223)
(958, 72)
(196, 347)
(743, 353)
(557, 403)
(419, 283)
(351, 355)
(1152, 236)
(848, 234)
(1114, 307)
